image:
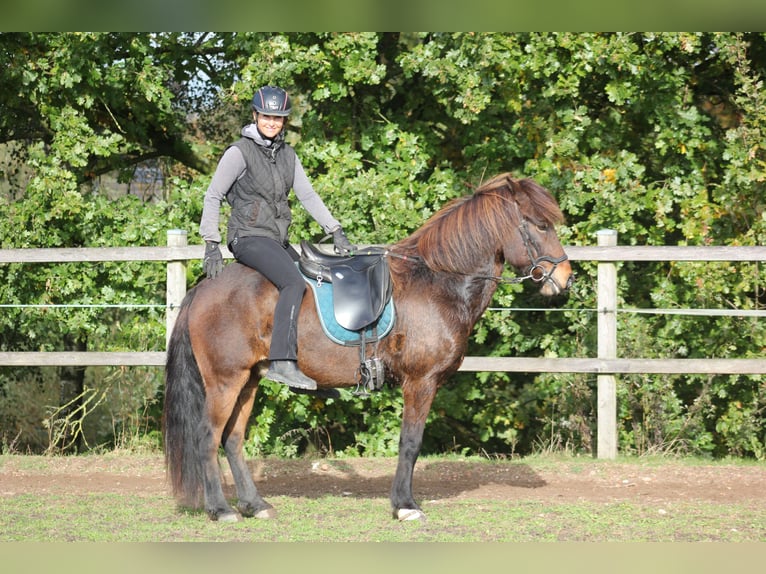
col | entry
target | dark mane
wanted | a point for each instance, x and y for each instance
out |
(470, 226)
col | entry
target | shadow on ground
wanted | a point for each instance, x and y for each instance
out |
(432, 480)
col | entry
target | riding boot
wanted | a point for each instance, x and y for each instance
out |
(287, 372)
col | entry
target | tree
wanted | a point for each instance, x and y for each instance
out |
(655, 135)
(78, 106)
(124, 98)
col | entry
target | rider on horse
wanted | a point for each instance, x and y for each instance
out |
(255, 175)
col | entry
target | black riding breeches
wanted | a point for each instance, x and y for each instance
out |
(277, 264)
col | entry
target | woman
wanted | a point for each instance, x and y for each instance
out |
(255, 175)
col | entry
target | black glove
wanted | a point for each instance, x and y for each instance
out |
(212, 264)
(341, 242)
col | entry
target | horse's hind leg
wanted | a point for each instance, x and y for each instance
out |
(249, 501)
(215, 502)
(221, 402)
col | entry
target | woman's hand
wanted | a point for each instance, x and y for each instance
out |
(212, 264)
(342, 244)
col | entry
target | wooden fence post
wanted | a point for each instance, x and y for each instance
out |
(176, 281)
(607, 349)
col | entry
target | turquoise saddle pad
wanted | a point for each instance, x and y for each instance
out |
(342, 336)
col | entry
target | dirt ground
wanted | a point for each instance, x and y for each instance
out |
(565, 481)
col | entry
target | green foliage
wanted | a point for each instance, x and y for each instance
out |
(657, 136)
(286, 424)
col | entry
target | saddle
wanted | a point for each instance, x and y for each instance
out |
(360, 288)
(361, 282)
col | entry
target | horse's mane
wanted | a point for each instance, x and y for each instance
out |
(473, 225)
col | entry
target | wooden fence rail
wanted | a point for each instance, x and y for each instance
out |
(607, 253)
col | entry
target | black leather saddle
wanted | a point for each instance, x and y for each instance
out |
(361, 282)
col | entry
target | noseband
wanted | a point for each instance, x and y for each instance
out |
(536, 272)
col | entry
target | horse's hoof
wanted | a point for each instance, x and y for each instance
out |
(228, 517)
(407, 514)
(266, 513)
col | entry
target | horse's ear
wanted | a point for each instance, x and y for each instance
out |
(497, 183)
(512, 184)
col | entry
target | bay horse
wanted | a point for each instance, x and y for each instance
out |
(443, 275)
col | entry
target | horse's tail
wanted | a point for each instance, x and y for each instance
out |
(183, 416)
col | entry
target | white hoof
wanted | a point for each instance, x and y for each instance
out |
(267, 514)
(229, 517)
(406, 514)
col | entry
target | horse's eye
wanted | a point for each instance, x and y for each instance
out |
(542, 227)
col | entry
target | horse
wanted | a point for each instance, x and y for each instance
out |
(443, 278)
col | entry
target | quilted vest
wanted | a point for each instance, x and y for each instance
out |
(259, 202)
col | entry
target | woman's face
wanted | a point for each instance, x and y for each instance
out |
(270, 126)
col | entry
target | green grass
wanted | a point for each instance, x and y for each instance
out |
(136, 518)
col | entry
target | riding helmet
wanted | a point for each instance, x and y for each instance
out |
(272, 101)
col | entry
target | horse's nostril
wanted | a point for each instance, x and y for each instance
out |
(570, 282)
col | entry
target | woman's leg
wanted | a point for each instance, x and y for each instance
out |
(277, 264)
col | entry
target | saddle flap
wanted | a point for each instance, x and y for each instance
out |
(361, 282)
(362, 287)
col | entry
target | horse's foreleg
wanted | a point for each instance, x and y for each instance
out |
(418, 397)
(249, 501)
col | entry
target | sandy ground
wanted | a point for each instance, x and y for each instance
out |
(564, 481)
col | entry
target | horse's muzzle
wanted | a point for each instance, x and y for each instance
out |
(558, 279)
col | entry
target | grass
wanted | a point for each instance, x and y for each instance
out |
(119, 518)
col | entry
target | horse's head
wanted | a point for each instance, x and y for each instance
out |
(542, 259)
(513, 219)
(533, 246)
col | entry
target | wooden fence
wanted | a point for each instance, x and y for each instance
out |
(606, 365)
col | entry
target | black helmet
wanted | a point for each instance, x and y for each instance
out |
(272, 101)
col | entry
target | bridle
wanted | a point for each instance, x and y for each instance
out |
(536, 272)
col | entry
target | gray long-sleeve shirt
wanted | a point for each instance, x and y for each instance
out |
(231, 167)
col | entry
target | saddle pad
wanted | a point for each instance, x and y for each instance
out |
(323, 296)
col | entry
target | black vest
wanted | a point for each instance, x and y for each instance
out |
(259, 204)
